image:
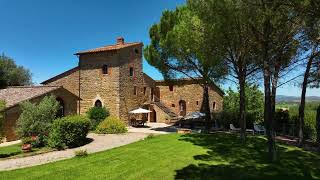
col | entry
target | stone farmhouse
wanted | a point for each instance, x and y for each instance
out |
(112, 76)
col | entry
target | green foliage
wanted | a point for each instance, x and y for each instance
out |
(318, 124)
(180, 47)
(2, 107)
(254, 104)
(69, 131)
(293, 119)
(11, 74)
(97, 114)
(81, 153)
(111, 125)
(26, 140)
(36, 119)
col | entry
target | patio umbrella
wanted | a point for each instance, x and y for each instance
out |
(140, 111)
(194, 115)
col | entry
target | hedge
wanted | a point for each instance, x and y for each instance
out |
(70, 131)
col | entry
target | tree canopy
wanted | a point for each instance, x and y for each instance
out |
(12, 74)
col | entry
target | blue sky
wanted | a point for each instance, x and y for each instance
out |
(43, 35)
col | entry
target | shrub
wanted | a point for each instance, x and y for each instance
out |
(97, 114)
(26, 140)
(2, 107)
(36, 120)
(81, 153)
(111, 125)
(70, 131)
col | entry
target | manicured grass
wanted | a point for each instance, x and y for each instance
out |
(15, 151)
(11, 150)
(217, 156)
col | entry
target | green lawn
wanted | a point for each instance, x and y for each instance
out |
(11, 150)
(218, 156)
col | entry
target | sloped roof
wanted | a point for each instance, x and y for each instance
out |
(66, 73)
(15, 95)
(109, 48)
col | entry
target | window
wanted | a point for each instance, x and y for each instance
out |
(214, 106)
(197, 102)
(144, 90)
(105, 69)
(131, 71)
(135, 90)
(98, 103)
(136, 51)
(173, 105)
(171, 88)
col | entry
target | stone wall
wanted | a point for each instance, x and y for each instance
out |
(131, 87)
(192, 94)
(68, 80)
(13, 114)
(94, 85)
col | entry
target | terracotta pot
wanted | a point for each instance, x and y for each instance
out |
(26, 147)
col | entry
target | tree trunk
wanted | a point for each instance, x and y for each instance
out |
(206, 106)
(303, 102)
(318, 126)
(268, 117)
(242, 109)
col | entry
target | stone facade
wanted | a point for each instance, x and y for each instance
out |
(13, 113)
(189, 95)
(125, 87)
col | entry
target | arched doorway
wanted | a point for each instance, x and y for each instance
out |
(60, 112)
(182, 108)
(153, 116)
(98, 103)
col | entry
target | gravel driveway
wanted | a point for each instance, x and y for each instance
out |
(100, 143)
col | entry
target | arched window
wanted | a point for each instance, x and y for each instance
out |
(60, 112)
(105, 69)
(98, 103)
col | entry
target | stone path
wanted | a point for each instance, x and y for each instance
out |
(100, 143)
(154, 128)
(9, 143)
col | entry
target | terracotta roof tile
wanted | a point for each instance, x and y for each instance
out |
(16, 95)
(109, 48)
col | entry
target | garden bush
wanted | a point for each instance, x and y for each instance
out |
(36, 119)
(97, 114)
(2, 107)
(111, 125)
(225, 118)
(81, 153)
(70, 131)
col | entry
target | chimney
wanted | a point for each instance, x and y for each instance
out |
(120, 40)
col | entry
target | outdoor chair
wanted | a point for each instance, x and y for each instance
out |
(232, 128)
(259, 129)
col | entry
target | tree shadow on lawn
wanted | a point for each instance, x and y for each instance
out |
(227, 158)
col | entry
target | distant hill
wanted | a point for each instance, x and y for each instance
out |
(296, 99)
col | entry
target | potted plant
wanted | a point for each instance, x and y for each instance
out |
(26, 144)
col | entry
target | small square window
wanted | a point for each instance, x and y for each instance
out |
(173, 105)
(197, 102)
(171, 88)
(131, 71)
